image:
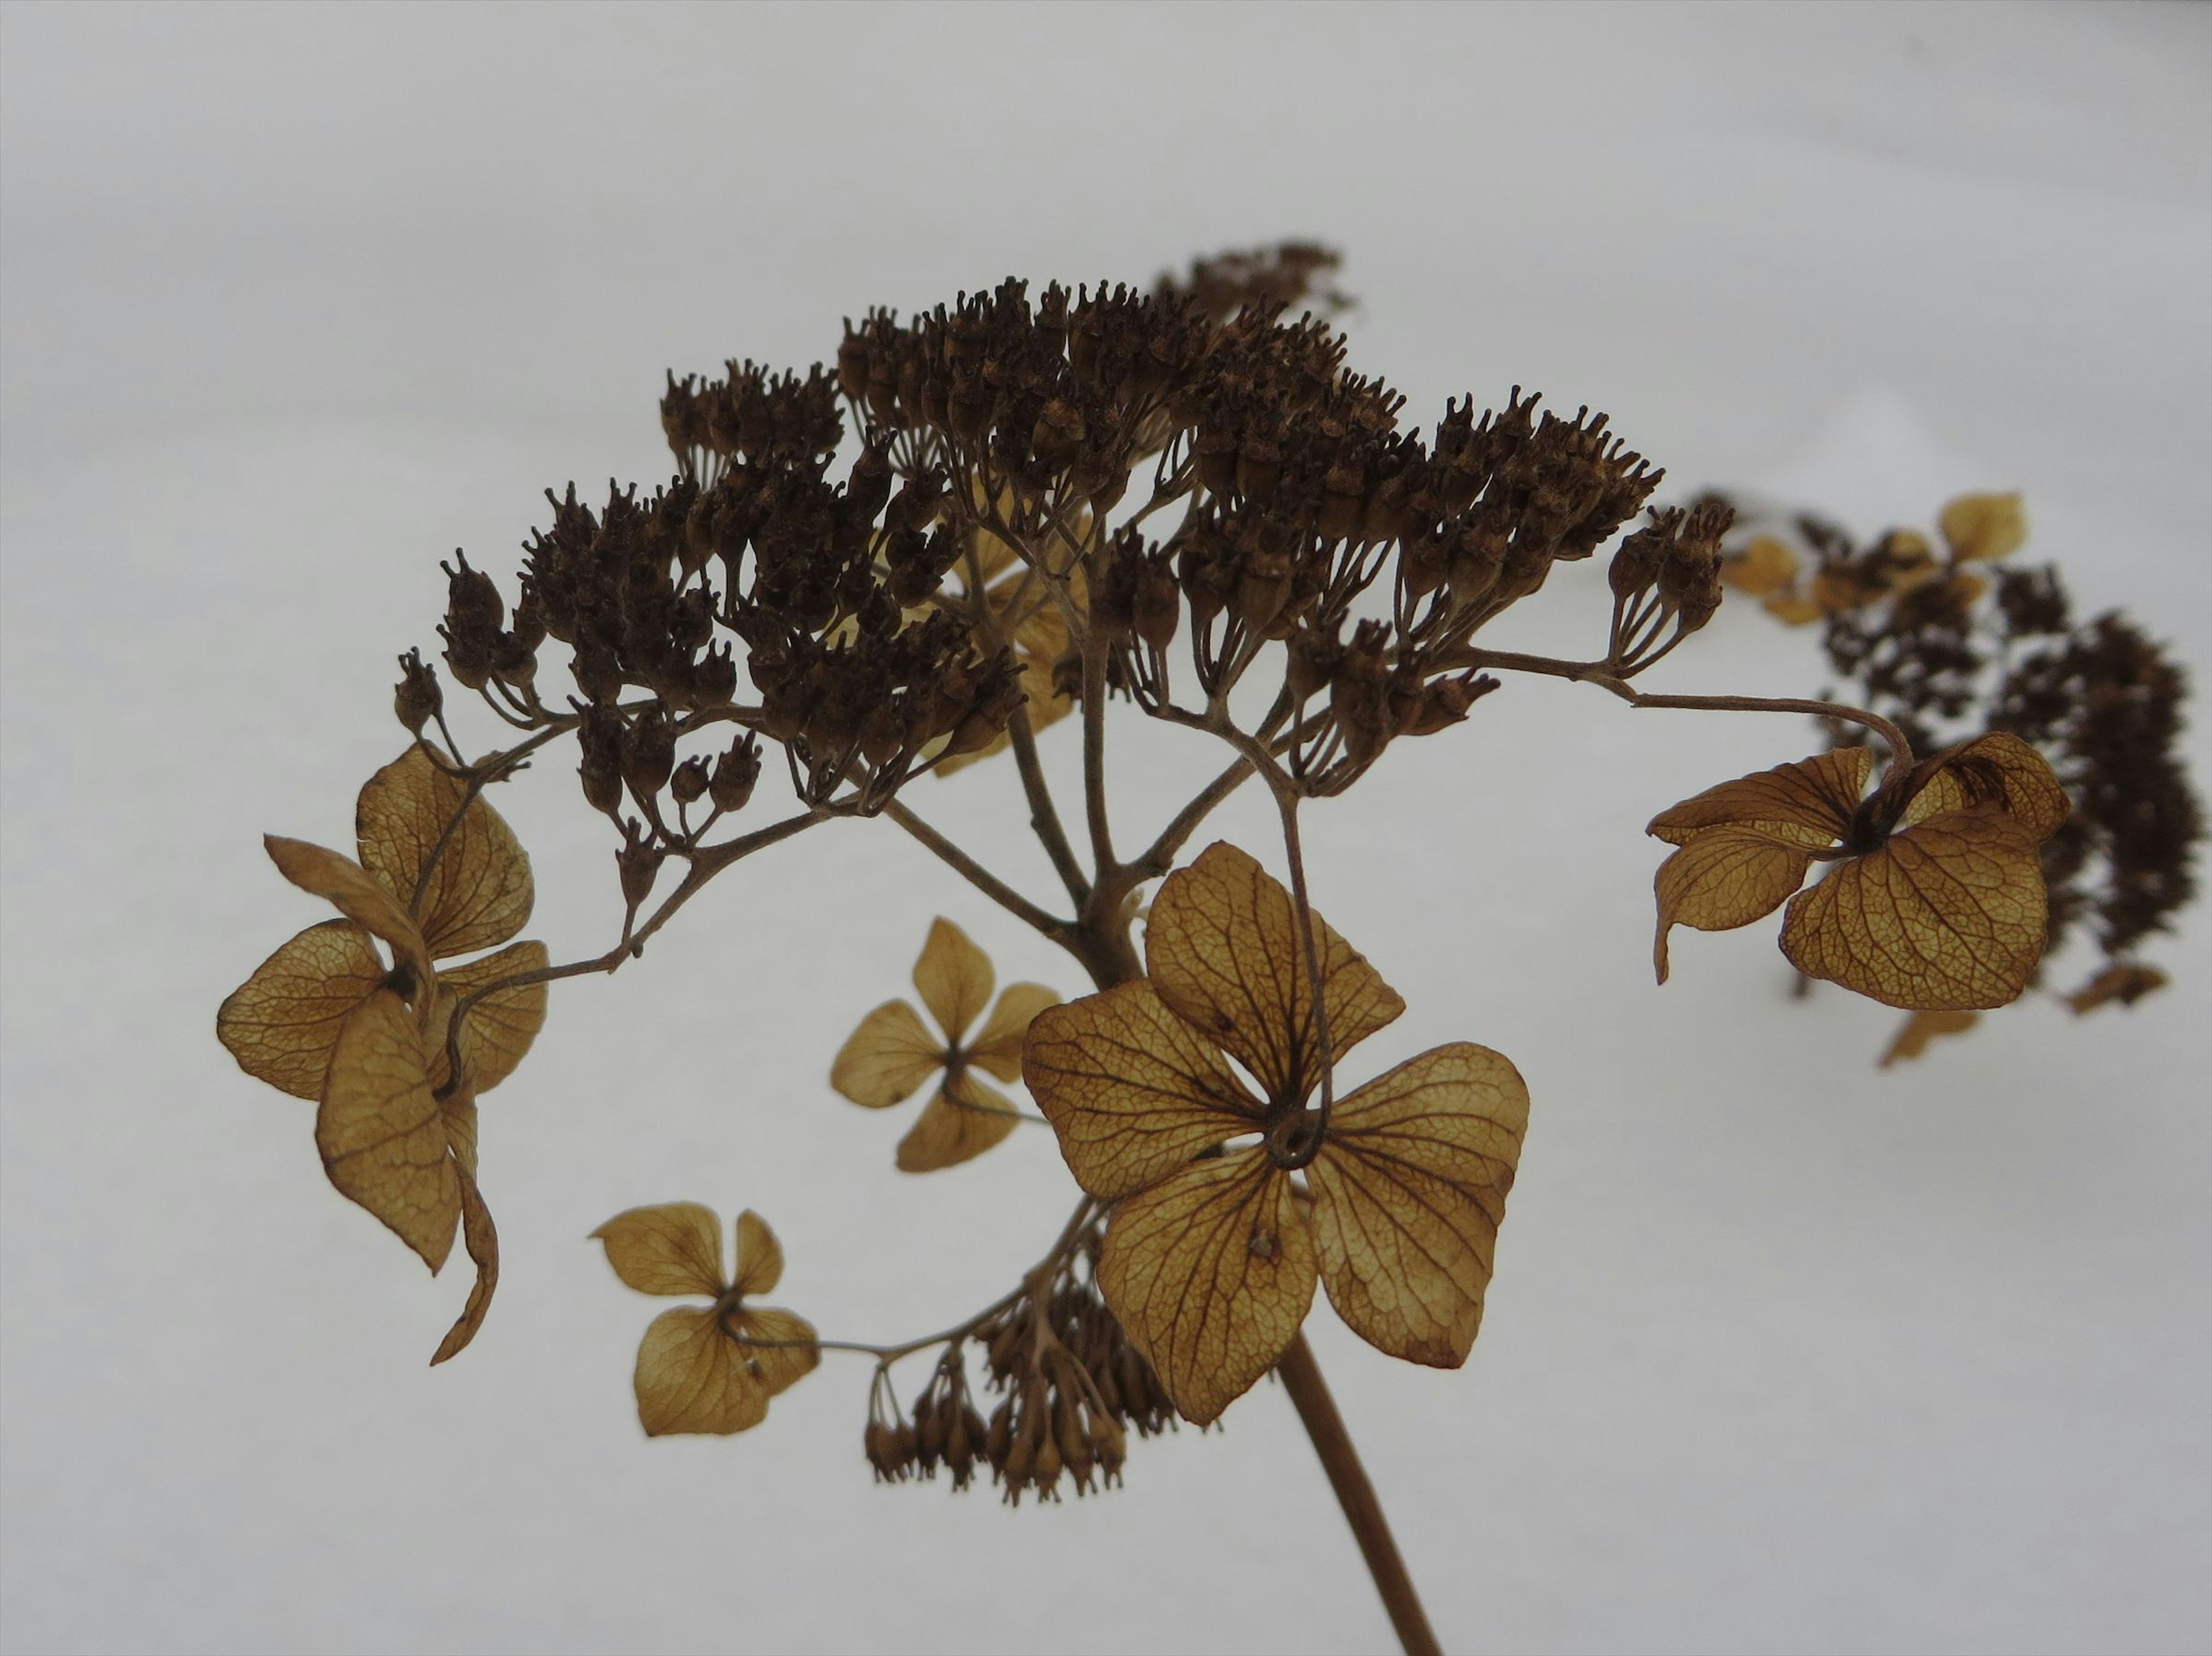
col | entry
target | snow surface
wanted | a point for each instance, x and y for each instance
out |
(1785, 1353)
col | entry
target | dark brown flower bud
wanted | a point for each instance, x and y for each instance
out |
(689, 781)
(1157, 608)
(416, 698)
(735, 773)
(1057, 434)
(714, 678)
(648, 754)
(600, 741)
(638, 862)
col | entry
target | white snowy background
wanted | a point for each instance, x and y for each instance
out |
(1784, 1353)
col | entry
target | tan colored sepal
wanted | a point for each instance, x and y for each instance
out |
(482, 1240)
(954, 979)
(481, 893)
(1914, 1034)
(1809, 803)
(1723, 878)
(2124, 981)
(760, 1256)
(381, 1133)
(1762, 568)
(998, 1045)
(1984, 525)
(2001, 769)
(692, 1377)
(786, 1351)
(887, 1057)
(282, 1023)
(675, 1247)
(349, 888)
(498, 1031)
(966, 1117)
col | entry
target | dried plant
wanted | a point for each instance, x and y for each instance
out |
(1005, 513)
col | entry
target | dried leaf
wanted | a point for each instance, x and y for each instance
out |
(381, 1131)
(966, 1117)
(998, 1044)
(1915, 1033)
(1764, 567)
(1998, 767)
(281, 1023)
(344, 884)
(778, 1365)
(1723, 878)
(692, 1377)
(1809, 803)
(483, 1243)
(499, 1029)
(2122, 980)
(1222, 951)
(1131, 1091)
(760, 1256)
(675, 1247)
(1984, 525)
(954, 977)
(1210, 1273)
(887, 1057)
(1948, 917)
(480, 892)
(1408, 1192)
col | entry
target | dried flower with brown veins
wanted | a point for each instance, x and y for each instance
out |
(1213, 1250)
(893, 1052)
(1935, 902)
(710, 1369)
(440, 875)
(1025, 612)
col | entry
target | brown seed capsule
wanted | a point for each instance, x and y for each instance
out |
(735, 773)
(416, 698)
(689, 781)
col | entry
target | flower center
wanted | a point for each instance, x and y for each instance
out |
(1293, 1138)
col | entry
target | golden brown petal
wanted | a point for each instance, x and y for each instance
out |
(778, 1365)
(483, 1243)
(459, 1114)
(499, 1029)
(1764, 567)
(760, 1256)
(1131, 1091)
(954, 977)
(1998, 767)
(344, 884)
(1408, 1192)
(1916, 1031)
(2124, 981)
(281, 1023)
(1791, 610)
(692, 1377)
(381, 1134)
(1809, 803)
(480, 892)
(1948, 917)
(673, 1247)
(889, 1055)
(966, 1117)
(1222, 949)
(1210, 1273)
(1984, 525)
(1723, 878)
(998, 1045)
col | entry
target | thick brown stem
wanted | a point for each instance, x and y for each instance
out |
(1302, 1378)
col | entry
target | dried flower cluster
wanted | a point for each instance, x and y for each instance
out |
(991, 518)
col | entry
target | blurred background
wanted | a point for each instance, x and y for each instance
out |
(1784, 1353)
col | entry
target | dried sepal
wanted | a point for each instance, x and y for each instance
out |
(966, 1117)
(1723, 878)
(350, 889)
(482, 1240)
(2124, 981)
(381, 1132)
(497, 1031)
(890, 1055)
(954, 979)
(282, 1023)
(480, 893)
(1914, 1034)
(1763, 568)
(1808, 803)
(781, 1346)
(760, 1256)
(670, 1248)
(1998, 768)
(692, 1377)
(1984, 527)
(998, 1045)
(1211, 1272)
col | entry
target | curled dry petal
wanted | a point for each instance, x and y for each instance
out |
(482, 1241)
(381, 1131)
(1810, 803)
(1915, 1033)
(1984, 525)
(1408, 1193)
(1210, 1273)
(499, 1029)
(675, 1247)
(1221, 947)
(1999, 768)
(887, 1057)
(692, 1377)
(281, 1023)
(1131, 1091)
(760, 1256)
(966, 1117)
(1723, 878)
(954, 979)
(349, 887)
(2124, 981)
(459, 1115)
(788, 1350)
(998, 1045)
(480, 893)
(1948, 917)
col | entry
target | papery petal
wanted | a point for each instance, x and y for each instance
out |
(1809, 803)
(1725, 878)
(672, 1247)
(778, 1365)
(1916, 1031)
(966, 1117)
(1408, 1192)
(998, 1044)
(1210, 1273)
(282, 1023)
(1131, 1091)
(482, 1240)
(349, 888)
(499, 1029)
(2000, 768)
(692, 1377)
(1948, 917)
(760, 1256)
(1984, 525)
(954, 979)
(889, 1055)
(381, 1132)
(480, 892)
(1222, 947)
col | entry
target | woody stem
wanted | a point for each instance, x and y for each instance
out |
(1317, 1410)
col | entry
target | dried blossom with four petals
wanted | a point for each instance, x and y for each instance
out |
(1392, 1200)
(893, 1053)
(707, 1368)
(1934, 900)
(326, 1017)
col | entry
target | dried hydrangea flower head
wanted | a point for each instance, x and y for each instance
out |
(1392, 1199)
